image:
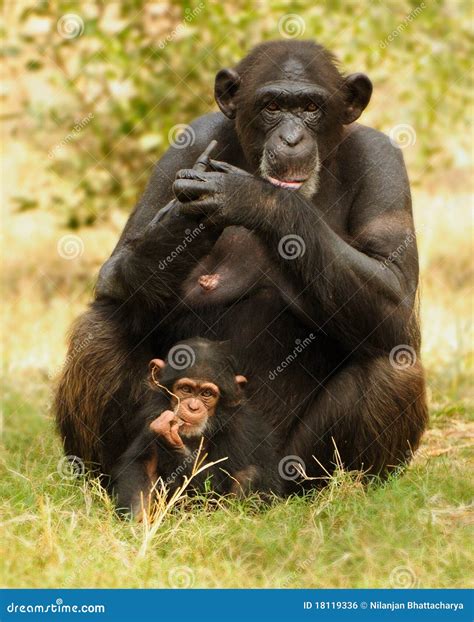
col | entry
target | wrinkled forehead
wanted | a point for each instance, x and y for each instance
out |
(275, 70)
(294, 69)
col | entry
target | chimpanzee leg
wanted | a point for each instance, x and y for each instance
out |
(370, 411)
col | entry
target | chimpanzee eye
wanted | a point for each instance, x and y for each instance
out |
(311, 107)
(185, 388)
(207, 393)
(272, 107)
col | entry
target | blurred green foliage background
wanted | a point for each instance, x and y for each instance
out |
(127, 72)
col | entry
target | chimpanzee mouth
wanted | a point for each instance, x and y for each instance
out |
(291, 184)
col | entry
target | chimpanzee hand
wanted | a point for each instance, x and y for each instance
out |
(166, 426)
(209, 193)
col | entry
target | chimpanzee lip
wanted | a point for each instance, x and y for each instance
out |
(286, 183)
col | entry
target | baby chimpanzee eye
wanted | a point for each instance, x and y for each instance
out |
(185, 388)
(311, 107)
(207, 393)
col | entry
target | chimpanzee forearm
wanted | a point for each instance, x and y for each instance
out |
(347, 291)
(147, 270)
(158, 245)
(147, 459)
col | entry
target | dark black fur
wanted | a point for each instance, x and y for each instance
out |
(354, 287)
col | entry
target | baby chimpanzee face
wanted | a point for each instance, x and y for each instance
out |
(194, 402)
(203, 388)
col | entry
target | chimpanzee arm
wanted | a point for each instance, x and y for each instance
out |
(152, 257)
(358, 292)
(132, 481)
(148, 457)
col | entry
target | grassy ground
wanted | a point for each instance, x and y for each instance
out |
(411, 531)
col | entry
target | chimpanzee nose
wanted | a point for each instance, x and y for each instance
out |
(194, 405)
(292, 138)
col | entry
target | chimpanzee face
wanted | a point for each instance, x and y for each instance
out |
(202, 390)
(195, 401)
(290, 104)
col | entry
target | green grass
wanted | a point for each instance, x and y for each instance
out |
(413, 530)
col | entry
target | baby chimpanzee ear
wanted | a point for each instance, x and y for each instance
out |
(241, 380)
(156, 364)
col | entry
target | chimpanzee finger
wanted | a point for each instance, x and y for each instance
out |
(225, 167)
(192, 189)
(202, 162)
(189, 189)
(190, 173)
(174, 434)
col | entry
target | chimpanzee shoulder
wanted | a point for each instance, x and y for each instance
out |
(366, 150)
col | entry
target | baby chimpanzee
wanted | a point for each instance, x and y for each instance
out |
(196, 394)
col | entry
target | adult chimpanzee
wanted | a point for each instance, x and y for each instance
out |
(329, 201)
(196, 394)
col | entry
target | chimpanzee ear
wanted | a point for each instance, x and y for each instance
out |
(359, 90)
(226, 86)
(157, 364)
(241, 380)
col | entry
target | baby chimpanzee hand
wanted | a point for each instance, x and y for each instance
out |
(166, 426)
